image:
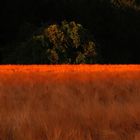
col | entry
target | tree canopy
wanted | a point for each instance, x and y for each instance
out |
(64, 43)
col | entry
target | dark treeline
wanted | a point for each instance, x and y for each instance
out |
(115, 29)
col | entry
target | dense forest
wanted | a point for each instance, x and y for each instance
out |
(114, 24)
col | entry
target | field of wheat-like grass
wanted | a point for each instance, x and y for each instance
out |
(70, 102)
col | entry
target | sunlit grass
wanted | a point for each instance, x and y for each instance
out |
(70, 102)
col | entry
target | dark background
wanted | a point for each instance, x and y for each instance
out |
(115, 29)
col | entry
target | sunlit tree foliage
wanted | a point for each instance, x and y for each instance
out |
(64, 43)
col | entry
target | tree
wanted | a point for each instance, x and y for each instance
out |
(133, 4)
(64, 43)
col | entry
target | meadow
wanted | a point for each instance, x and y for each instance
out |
(70, 102)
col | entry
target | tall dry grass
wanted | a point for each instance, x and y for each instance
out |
(70, 103)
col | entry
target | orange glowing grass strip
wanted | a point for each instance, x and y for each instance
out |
(68, 68)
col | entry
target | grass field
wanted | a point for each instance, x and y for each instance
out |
(67, 102)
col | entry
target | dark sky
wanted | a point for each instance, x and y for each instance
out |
(117, 31)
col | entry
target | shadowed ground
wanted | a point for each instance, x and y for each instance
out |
(65, 102)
